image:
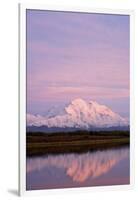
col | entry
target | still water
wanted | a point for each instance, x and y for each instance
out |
(97, 168)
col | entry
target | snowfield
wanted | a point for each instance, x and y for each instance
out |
(78, 114)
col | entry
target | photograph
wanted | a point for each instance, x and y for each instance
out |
(77, 99)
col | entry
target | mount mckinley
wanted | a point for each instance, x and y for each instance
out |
(79, 114)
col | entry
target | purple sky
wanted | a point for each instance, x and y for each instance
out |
(74, 55)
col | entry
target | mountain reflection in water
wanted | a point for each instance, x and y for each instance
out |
(78, 167)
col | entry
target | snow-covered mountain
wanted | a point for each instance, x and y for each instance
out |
(78, 114)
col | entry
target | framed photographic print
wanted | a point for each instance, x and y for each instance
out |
(76, 110)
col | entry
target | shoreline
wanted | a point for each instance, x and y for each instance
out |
(78, 142)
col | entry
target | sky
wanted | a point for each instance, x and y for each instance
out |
(77, 55)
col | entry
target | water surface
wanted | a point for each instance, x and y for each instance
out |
(97, 168)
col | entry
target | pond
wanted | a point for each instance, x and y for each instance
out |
(96, 168)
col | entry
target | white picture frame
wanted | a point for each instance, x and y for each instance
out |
(22, 97)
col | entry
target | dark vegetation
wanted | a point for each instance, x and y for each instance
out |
(79, 141)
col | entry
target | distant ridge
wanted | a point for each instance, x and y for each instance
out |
(79, 114)
(45, 129)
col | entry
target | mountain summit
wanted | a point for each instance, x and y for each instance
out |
(79, 114)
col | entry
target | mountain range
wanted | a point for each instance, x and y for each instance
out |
(79, 114)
